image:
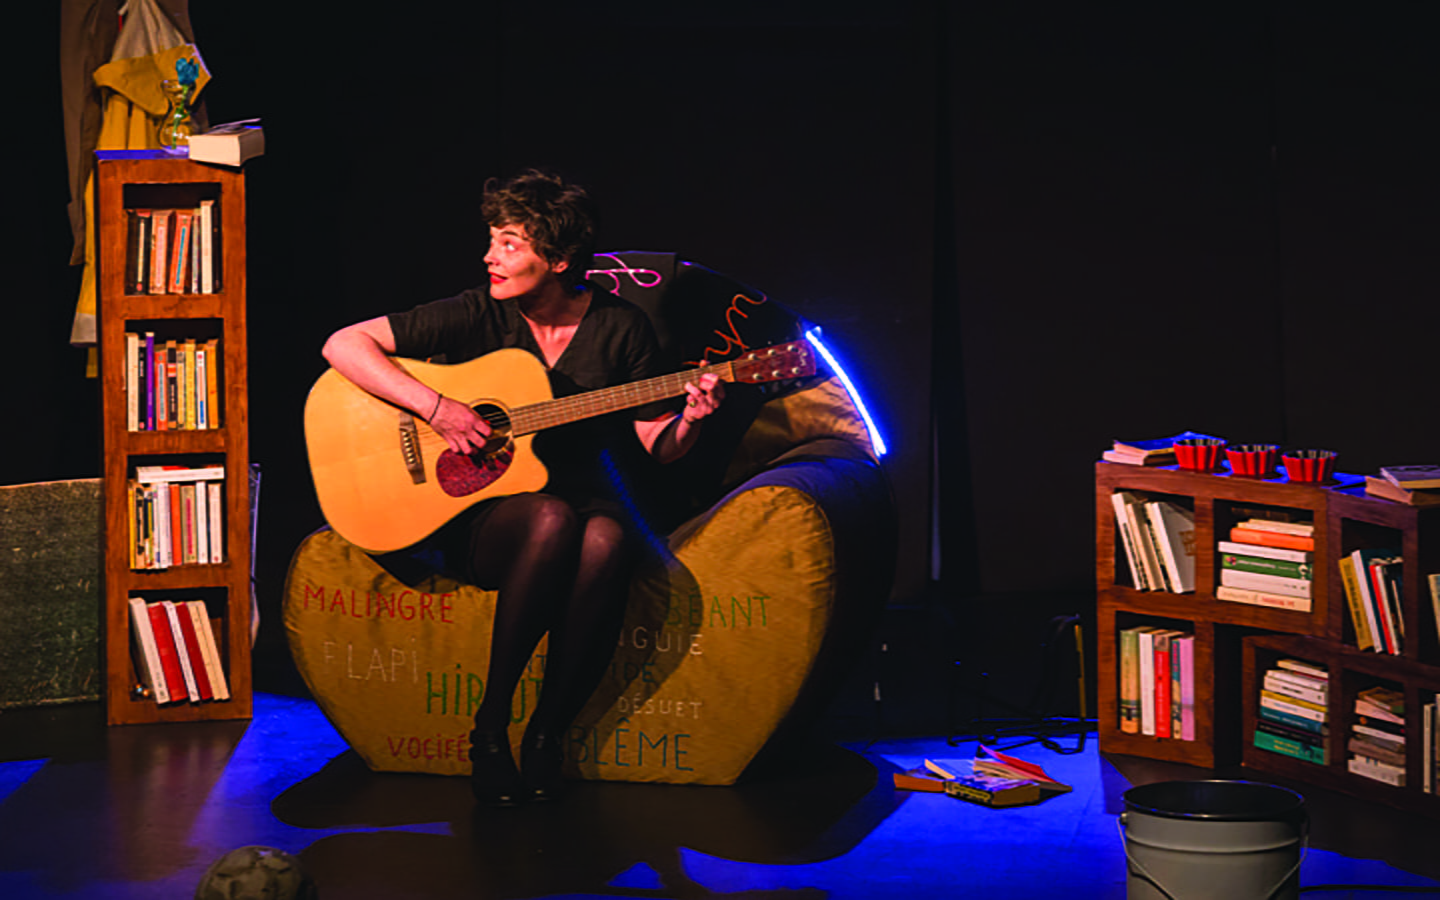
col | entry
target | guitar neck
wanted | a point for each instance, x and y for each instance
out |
(564, 410)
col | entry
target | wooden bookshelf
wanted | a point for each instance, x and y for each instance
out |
(128, 181)
(1235, 643)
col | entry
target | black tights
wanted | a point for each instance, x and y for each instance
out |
(555, 571)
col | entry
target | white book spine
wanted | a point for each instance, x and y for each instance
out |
(182, 651)
(1147, 682)
(217, 523)
(1282, 553)
(152, 673)
(1290, 689)
(205, 637)
(1270, 584)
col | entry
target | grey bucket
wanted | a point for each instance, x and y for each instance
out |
(1222, 839)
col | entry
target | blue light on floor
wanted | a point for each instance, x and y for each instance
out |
(876, 441)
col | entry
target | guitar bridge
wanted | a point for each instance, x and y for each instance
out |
(410, 448)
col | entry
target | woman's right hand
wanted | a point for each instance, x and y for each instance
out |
(462, 428)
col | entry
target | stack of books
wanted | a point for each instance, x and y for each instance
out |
(1267, 562)
(1159, 541)
(176, 655)
(1293, 710)
(171, 384)
(177, 516)
(1377, 739)
(1157, 682)
(1371, 578)
(172, 251)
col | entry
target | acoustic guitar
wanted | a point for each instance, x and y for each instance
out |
(386, 480)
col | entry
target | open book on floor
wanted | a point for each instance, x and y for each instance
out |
(991, 779)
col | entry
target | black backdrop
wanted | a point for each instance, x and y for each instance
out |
(1030, 227)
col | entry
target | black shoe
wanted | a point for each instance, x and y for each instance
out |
(541, 754)
(493, 777)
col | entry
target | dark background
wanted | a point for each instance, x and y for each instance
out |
(1030, 228)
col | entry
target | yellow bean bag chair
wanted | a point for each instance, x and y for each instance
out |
(741, 619)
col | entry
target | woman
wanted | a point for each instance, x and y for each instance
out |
(560, 560)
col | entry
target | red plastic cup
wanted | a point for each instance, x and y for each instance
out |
(1199, 454)
(1252, 460)
(1310, 465)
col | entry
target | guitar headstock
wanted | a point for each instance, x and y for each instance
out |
(793, 360)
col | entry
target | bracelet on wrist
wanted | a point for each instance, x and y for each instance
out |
(438, 397)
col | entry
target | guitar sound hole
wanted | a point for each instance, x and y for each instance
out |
(461, 475)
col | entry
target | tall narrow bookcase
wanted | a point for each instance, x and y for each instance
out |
(127, 183)
(1235, 643)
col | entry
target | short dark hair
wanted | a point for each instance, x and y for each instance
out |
(559, 218)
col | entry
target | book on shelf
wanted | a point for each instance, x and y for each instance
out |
(1173, 527)
(1375, 749)
(1270, 584)
(182, 650)
(194, 653)
(1413, 478)
(1264, 565)
(1277, 743)
(1319, 673)
(1281, 525)
(146, 652)
(1262, 598)
(1376, 486)
(1361, 616)
(169, 654)
(230, 144)
(1376, 770)
(209, 648)
(1182, 687)
(1129, 696)
(1433, 580)
(1292, 732)
(1263, 551)
(1271, 538)
(1292, 708)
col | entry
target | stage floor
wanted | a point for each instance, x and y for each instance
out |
(141, 812)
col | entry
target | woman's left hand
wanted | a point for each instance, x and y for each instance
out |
(703, 398)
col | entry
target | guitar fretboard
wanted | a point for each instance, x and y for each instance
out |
(564, 410)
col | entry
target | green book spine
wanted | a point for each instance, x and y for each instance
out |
(1278, 744)
(1263, 566)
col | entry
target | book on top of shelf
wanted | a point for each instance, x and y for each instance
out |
(1379, 487)
(1413, 478)
(1156, 445)
(230, 144)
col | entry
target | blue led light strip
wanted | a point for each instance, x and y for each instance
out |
(813, 336)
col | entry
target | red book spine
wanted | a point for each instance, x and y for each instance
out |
(1162, 686)
(169, 659)
(197, 655)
